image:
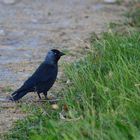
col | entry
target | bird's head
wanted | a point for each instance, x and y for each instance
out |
(53, 56)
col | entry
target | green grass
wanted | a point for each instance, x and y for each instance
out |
(134, 13)
(104, 93)
(7, 89)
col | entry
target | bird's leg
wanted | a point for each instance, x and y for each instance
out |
(51, 100)
(45, 94)
(46, 97)
(39, 95)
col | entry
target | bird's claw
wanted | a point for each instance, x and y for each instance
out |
(53, 101)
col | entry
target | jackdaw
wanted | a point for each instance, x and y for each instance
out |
(42, 79)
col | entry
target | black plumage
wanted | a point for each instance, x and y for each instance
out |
(42, 79)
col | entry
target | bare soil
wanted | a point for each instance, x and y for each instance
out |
(29, 28)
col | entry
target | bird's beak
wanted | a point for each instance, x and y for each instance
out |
(61, 54)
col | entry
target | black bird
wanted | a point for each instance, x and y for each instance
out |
(42, 79)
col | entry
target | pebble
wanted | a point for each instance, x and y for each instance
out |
(55, 106)
(2, 32)
(9, 1)
(110, 1)
(34, 21)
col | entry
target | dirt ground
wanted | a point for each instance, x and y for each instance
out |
(29, 28)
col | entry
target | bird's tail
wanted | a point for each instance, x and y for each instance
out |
(18, 95)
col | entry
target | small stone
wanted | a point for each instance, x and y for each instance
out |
(2, 32)
(86, 16)
(110, 1)
(68, 81)
(55, 106)
(9, 1)
(34, 21)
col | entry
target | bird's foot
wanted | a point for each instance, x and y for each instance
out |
(52, 100)
(10, 98)
(39, 96)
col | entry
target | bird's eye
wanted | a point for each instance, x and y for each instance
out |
(55, 53)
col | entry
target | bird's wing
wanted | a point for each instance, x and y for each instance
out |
(41, 75)
(45, 72)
